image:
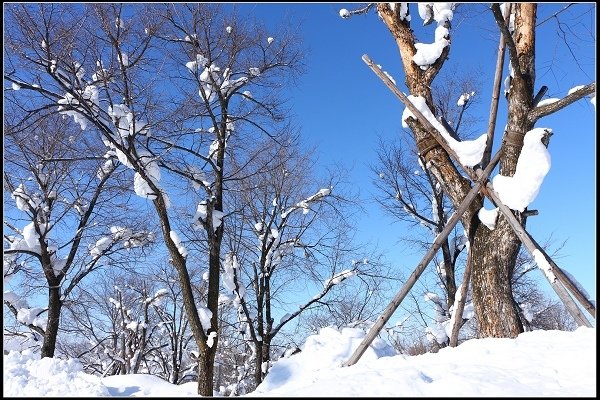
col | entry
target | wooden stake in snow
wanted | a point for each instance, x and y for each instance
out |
(412, 279)
(478, 177)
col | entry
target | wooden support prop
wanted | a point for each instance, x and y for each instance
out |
(412, 279)
(496, 92)
(532, 246)
(459, 304)
(479, 177)
(519, 230)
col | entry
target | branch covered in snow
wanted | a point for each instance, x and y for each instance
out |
(543, 110)
(344, 13)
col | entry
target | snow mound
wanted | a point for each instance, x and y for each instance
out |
(538, 364)
(27, 375)
(321, 353)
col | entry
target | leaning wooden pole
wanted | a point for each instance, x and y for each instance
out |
(459, 304)
(532, 246)
(566, 281)
(487, 153)
(412, 279)
(519, 230)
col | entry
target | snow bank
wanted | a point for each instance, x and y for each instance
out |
(539, 363)
(321, 354)
(26, 375)
(536, 364)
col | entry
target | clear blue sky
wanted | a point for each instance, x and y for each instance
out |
(343, 107)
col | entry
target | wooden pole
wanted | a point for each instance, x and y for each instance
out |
(496, 93)
(459, 304)
(412, 279)
(521, 233)
(519, 230)
(532, 246)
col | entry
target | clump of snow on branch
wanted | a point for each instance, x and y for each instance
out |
(511, 21)
(202, 213)
(129, 238)
(230, 265)
(67, 105)
(124, 121)
(547, 101)
(210, 340)
(519, 190)
(544, 265)
(464, 98)
(270, 40)
(180, 247)
(488, 217)
(32, 316)
(469, 152)
(344, 13)
(304, 205)
(575, 88)
(428, 53)
(141, 186)
(508, 80)
(339, 277)
(205, 315)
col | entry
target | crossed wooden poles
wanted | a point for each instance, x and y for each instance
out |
(561, 283)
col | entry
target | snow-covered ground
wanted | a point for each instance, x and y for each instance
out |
(539, 363)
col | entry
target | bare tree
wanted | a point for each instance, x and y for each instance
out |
(175, 89)
(65, 201)
(493, 252)
(288, 227)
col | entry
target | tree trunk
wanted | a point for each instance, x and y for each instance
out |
(54, 307)
(494, 254)
(263, 355)
(258, 363)
(206, 372)
(449, 279)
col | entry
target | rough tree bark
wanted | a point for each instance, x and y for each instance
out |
(493, 253)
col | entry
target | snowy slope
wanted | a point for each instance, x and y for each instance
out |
(539, 363)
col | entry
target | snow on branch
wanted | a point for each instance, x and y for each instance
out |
(344, 13)
(428, 53)
(519, 190)
(545, 109)
(469, 152)
(305, 204)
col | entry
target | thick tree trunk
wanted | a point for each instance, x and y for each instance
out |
(258, 376)
(54, 307)
(494, 254)
(206, 372)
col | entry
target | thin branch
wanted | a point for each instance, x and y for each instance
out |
(542, 111)
(510, 43)
(554, 15)
(487, 153)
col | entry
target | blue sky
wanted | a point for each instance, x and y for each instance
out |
(343, 107)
